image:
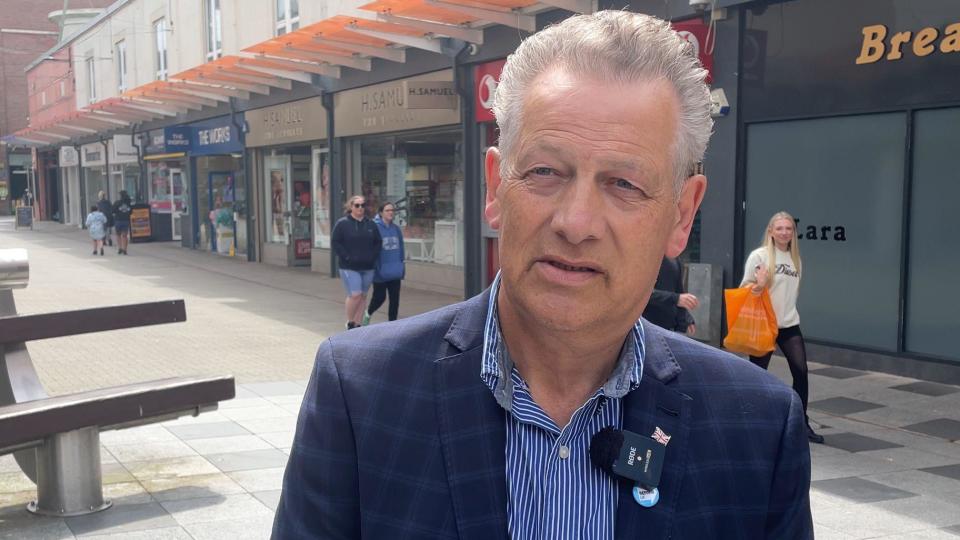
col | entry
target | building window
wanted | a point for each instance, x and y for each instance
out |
(43, 98)
(288, 16)
(214, 33)
(160, 30)
(63, 88)
(91, 80)
(121, 60)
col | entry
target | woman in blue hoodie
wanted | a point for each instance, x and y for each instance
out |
(389, 270)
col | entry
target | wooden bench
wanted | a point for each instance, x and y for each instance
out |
(56, 440)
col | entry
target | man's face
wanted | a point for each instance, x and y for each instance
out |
(586, 208)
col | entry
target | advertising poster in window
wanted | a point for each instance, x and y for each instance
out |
(277, 199)
(321, 200)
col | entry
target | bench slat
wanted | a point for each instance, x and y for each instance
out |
(21, 328)
(32, 420)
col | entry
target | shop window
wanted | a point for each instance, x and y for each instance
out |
(214, 29)
(842, 178)
(91, 79)
(288, 16)
(423, 175)
(160, 57)
(121, 61)
(321, 198)
(932, 323)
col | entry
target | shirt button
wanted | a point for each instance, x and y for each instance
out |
(564, 452)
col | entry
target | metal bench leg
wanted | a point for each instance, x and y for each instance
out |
(68, 475)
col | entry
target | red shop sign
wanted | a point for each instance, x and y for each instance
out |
(695, 31)
(486, 76)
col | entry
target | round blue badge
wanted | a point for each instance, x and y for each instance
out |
(646, 498)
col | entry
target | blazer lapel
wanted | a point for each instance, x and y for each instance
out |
(654, 404)
(472, 431)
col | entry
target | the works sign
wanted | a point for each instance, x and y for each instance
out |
(827, 57)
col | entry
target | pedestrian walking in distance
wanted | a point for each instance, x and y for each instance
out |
(121, 221)
(97, 227)
(356, 241)
(775, 265)
(390, 269)
(670, 305)
(106, 208)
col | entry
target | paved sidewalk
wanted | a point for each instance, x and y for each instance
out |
(890, 468)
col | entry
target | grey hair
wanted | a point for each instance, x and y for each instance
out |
(614, 46)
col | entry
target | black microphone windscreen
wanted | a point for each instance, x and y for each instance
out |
(605, 448)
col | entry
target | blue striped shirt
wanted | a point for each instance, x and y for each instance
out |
(553, 490)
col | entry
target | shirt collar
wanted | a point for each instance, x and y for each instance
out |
(496, 365)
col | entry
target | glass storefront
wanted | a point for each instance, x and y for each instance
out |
(168, 195)
(422, 173)
(289, 185)
(95, 181)
(125, 177)
(221, 196)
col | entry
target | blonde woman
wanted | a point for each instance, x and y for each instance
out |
(357, 243)
(775, 265)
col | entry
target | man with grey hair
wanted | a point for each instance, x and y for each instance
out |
(546, 408)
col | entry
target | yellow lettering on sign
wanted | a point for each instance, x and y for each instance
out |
(951, 39)
(923, 42)
(896, 44)
(873, 47)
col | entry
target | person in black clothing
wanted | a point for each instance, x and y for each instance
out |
(121, 221)
(356, 241)
(669, 305)
(104, 206)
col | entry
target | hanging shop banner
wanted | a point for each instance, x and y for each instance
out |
(696, 33)
(93, 155)
(69, 157)
(300, 121)
(122, 149)
(383, 107)
(169, 140)
(215, 136)
(487, 76)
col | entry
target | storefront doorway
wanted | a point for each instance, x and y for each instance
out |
(288, 208)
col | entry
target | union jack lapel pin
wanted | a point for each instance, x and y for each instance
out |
(660, 436)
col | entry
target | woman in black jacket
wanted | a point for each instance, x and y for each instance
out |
(356, 241)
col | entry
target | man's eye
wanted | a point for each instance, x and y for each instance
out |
(542, 171)
(624, 184)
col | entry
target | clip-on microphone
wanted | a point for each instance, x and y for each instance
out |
(632, 456)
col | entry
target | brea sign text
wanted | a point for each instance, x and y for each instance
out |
(877, 46)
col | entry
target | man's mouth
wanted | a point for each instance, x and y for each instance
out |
(571, 267)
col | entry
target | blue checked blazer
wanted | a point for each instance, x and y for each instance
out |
(398, 437)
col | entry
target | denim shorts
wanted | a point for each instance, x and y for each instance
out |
(356, 281)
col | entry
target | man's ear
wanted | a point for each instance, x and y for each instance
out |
(687, 206)
(492, 168)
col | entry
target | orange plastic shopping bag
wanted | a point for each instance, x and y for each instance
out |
(751, 322)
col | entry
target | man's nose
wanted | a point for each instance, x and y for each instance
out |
(579, 215)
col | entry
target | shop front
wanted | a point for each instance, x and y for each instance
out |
(93, 159)
(404, 145)
(124, 167)
(69, 162)
(168, 185)
(220, 194)
(290, 159)
(855, 134)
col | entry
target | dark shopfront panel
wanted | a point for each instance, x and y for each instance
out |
(800, 57)
(864, 156)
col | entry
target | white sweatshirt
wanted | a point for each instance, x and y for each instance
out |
(786, 284)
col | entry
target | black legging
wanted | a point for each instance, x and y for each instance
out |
(790, 341)
(380, 291)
